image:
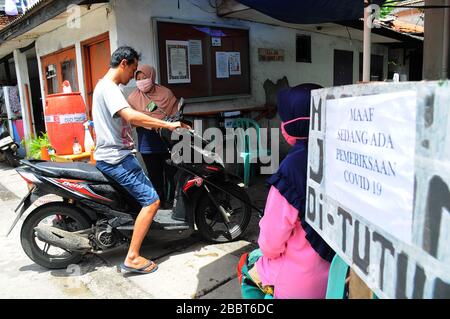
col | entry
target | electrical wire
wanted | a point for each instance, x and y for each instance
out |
(349, 36)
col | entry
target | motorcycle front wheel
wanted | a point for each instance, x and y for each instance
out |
(210, 221)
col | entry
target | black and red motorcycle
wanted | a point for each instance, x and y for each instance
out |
(95, 215)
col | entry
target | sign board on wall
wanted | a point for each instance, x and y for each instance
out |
(266, 55)
(378, 183)
(205, 73)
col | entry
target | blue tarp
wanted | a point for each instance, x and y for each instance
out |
(310, 11)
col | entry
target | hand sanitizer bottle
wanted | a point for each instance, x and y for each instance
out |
(88, 141)
(76, 147)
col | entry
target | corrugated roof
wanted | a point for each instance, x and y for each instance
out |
(21, 13)
(5, 20)
(28, 5)
(406, 27)
(406, 20)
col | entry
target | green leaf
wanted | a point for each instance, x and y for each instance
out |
(34, 145)
(385, 11)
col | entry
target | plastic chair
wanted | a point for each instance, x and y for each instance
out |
(336, 278)
(248, 152)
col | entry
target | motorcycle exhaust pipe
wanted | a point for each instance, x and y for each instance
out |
(62, 239)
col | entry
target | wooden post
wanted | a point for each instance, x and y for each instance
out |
(29, 109)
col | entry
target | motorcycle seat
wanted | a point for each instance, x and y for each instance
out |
(83, 171)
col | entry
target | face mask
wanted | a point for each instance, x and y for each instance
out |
(289, 138)
(144, 85)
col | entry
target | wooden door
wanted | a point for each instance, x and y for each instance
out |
(376, 67)
(96, 56)
(59, 67)
(343, 67)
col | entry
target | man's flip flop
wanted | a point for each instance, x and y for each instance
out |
(142, 269)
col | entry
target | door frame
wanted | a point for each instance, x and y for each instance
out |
(88, 85)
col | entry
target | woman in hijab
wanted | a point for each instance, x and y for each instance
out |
(153, 149)
(292, 260)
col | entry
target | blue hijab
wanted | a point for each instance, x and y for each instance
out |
(290, 179)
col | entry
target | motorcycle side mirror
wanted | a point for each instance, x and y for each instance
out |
(181, 104)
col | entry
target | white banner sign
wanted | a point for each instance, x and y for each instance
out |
(368, 155)
(66, 118)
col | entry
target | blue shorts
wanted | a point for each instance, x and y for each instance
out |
(130, 175)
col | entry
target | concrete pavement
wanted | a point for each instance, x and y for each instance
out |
(188, 268)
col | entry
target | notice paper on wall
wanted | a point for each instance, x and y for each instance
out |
(222, 68)
(195, 52)
(216, 41)
(234, 59)
(178, 70)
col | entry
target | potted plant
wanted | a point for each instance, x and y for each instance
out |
(38, 147)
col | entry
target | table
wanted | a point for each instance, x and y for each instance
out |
(218, 111)
(83, 157)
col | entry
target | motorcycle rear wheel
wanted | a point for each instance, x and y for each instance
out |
(66, 218)
(210, 222)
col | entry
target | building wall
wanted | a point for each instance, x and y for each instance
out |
(94, 22)
(433, 42)
(130, 23)
(137, 15)
(135, 28)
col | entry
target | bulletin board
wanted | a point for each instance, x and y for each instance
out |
(198, 61)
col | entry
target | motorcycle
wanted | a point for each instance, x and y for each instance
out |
(9, 149)
(95, 215)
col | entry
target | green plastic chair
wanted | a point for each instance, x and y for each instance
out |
(249, 152)
(336, 278)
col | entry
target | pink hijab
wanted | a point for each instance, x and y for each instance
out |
(160, 95)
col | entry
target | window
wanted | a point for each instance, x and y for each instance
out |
(68, 69)
(376, 67)
(58, 67)
(52, 80)
(303, 48)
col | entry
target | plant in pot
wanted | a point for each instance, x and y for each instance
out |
(38, 147)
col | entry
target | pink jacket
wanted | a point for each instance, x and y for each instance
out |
(289, 263)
